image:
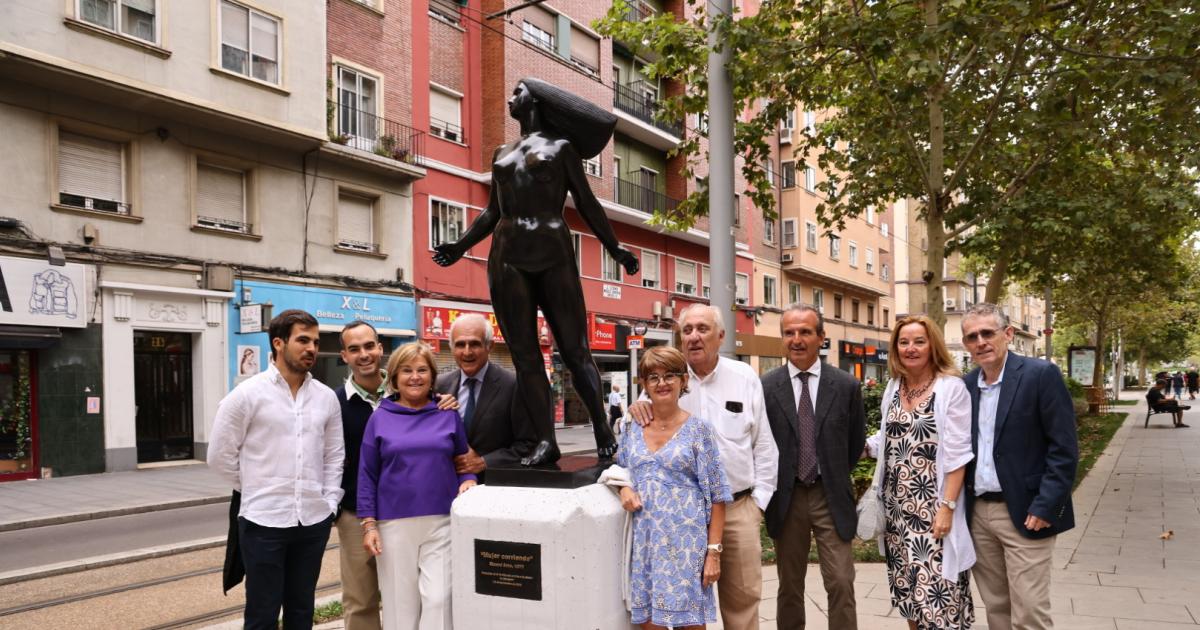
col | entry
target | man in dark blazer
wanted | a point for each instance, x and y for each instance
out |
(819, 423)
(484, 392)
(1019, 483)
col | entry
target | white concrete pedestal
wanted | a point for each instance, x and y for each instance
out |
(578, 538)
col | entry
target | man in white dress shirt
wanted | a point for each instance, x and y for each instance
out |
(729, 395)
(277, 438)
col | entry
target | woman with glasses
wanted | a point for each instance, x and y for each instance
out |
(924, 445)
(677, 498)
(406, 482)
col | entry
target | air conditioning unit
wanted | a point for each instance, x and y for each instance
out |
(785, 135)
(951, 304)
(668, 312)
(787, 259)
(656, 309)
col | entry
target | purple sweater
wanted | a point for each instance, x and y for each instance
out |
(406, 467)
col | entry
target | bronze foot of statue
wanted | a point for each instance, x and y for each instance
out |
(545, 452)
(606, 441)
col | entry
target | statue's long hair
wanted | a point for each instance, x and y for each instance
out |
(585, 125)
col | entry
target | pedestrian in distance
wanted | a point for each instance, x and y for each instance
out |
(277, 437)
(1159, 400)
(615, 406)
(728, 395)
(1193, 382)
(1019, 484)
(1177, 384)
(677, 496)
(924, 446)
(406, 483)
(819, 425)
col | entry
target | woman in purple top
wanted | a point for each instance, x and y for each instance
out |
(406, 482)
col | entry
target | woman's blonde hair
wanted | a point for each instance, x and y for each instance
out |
(406, 353)
(939, 354)
(663, 358)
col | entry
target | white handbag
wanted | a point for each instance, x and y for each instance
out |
(870, 506)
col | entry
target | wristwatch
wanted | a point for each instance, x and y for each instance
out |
(716, 547)
(948, 503)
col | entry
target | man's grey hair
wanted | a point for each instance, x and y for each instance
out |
(987, 309)
(473, 318)
(716, 314)
(800, 307)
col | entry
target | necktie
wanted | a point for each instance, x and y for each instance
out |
(469, 406)
(806, 468)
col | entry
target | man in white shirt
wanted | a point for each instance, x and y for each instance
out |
(614, 405)
(729, 395)
(277, 438)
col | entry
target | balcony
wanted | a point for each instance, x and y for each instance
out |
(637, 100)
(639, 197)
(637, 10)
(365, 131)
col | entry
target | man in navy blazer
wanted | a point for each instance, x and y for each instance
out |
(1019, 484)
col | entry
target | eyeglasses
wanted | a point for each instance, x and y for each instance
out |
(670, 378)
(986, 334)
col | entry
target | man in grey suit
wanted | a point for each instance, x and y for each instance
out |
(819, 423)
(485, 395)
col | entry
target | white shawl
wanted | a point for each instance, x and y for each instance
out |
(616, 477)
(952, 414)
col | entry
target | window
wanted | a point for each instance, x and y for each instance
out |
(445, 115)
(446, 223)
(870, 314)
(585, 51)
(445, 10)
(135, 18)
(884, 322)
(357, 108)
(884, 273)
(837, 306)
(794, 293)
(685, 277)
(789, 233)
(819, 300)
(355, 222)
(610, 269)
(737, 210)
(741, 284)
(835, 246)
(650, 270)
(769, 167)
(853, 250)
(577, 243)
(810, 179)
(769, 285)
(788, 176)
(91, 173)
(768, 229)
(221, 198)
(706, 281)
(810, 236)
(810, 123)
(249, 42)
(789, 119)
(854, 311)
(870, 253)
(883, 229)
(537, 36)
(869, 215)
(592, 167)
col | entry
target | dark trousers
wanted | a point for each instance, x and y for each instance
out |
(282, 567)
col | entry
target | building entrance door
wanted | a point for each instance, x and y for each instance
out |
(162, 383)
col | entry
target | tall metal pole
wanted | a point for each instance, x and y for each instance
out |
(1049, 326)
(720, 177)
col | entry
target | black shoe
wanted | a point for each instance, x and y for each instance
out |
(1185, 406)
(1182, 426)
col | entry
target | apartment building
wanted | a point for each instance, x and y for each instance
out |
(170, 179)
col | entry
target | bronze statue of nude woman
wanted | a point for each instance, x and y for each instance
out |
(532, 259)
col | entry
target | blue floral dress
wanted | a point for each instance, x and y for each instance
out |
(678, 485)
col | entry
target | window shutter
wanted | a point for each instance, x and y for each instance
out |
(354, 218)
(220, 193)
(90, 167)
(444, 107)
(585, 48)
(685, 273)
(540, 18)
(145, 6)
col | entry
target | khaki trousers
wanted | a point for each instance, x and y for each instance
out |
(809, 517)
(1011, 571)
(739, 590)
(360, 585)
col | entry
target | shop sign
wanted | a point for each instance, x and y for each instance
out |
(335, 307)
(250, 316)
(635, 342)
(604, 336)
(35, 293)
(436, 322)
(612, 291)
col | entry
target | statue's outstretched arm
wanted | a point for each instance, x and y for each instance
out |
(592, 212)
(447, 254)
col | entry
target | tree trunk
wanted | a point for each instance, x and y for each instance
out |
(999, 273)
(1141, 366)
(935, 209)
(935, 256)
(1098, 369)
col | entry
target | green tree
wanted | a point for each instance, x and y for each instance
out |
(953, 103)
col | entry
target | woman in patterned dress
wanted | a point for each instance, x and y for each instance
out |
(925, 441)
(677, 498)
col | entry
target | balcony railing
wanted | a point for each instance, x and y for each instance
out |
(636, 10)
(636, 100)
(645, 199)
(367, 132)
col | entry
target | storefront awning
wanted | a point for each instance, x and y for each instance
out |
(29, 337)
